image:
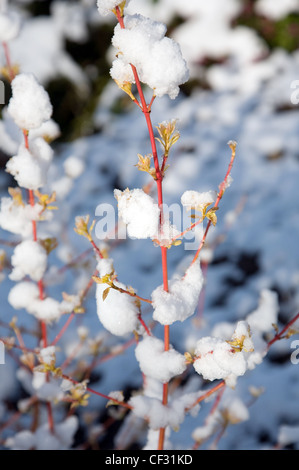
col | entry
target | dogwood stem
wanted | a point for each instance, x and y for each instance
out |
(146, 109)
(222, 188)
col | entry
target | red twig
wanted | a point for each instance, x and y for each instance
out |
(34, 229)
(126, 405)
(219, 197)
(8, 61)
(146, 109)
(279, 335)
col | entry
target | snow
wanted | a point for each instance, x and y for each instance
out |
(266, 315)
(22, 294)
(43, 439)
(275, 9)
(288, 435)
(157, 363)
(30, 105)
(106, 6)
(155, 413)
(157, 58)
(73, 167)
(180, 302)
(249, 262)
(118, 312)
(17, 218)
(46, 58)
(28, 259)
(10, 24)
(196, 200)
(218, 359)
(47, 355)
(30, 167)
(139, 212)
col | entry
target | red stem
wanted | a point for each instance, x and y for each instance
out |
(146, 111)
(72, 315)
(219, 197)
(126, 405)
(8, 62)
(280, 334)
(43, 325)
(63, 329)
(144, 325)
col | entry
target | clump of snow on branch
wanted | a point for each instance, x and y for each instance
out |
(157, 363)
(158, 59)
(180, 302)
(159, 415)
(10, 24)
(22, 294)
(17, 218)
(196, 200)
(30, 105)
(118, 312)
(219, 359)
(30, 167)
(106, 6)
(28, 259)
(44, 439)
(231, 410)
(139, 212)
(265, 316)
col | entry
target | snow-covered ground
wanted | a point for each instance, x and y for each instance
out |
(252, 98)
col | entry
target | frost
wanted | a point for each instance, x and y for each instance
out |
(157, 363)
(180, 302)
(30, 105)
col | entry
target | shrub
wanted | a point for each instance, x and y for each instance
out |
(175, 381)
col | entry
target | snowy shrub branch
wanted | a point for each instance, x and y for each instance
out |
(174, 382)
